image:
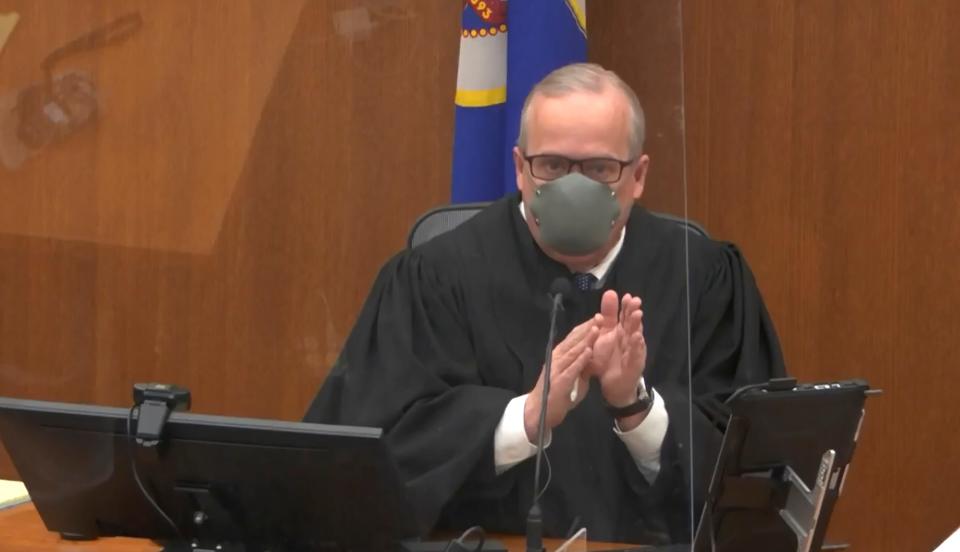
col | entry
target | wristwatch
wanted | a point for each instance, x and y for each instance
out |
(643, 402)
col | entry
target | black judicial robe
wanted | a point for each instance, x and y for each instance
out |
(455, 328)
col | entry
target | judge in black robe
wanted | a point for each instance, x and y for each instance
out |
(455, 328)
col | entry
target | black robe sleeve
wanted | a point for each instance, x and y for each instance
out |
(732, 343)
(409, 367)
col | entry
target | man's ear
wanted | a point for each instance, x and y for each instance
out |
(518, 167)
(640, 176)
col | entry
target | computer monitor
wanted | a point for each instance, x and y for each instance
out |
(262, 484)
(783, 463)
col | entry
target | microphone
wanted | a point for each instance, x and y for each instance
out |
(558, 288)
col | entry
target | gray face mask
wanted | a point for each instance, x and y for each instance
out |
(574, 213)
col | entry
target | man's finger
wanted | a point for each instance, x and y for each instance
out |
(628, 306)
(637, 350)
(633, 322)
(565, 380)
(609, 309)
(624, 306)
(568, 357)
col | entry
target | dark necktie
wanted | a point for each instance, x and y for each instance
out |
(584, 281)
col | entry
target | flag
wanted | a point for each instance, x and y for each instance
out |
(505, 48)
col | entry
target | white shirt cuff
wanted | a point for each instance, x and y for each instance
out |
(645, 441)
(510, 444)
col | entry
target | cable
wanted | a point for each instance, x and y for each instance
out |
(459, 540)
(549, 477)
(136, 474)
(114, 32)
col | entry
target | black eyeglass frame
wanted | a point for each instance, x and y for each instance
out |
(529, 159)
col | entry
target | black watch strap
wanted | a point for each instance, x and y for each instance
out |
(643, 402)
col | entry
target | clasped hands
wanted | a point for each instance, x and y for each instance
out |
(609, 347)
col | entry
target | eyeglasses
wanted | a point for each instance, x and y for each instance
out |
(601, 169)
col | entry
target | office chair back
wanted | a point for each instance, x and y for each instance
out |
(442, 219)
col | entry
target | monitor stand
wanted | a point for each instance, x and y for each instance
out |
(210, 516)
(803, 506)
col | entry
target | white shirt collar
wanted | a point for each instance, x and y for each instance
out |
(600, 270)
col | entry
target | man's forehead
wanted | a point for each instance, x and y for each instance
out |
(605, 95)
(586, 122)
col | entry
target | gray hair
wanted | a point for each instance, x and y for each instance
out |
(586, 77)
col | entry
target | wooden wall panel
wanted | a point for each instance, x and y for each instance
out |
(339, 140)
(644, 47)
(158, 166)
(821, 138)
